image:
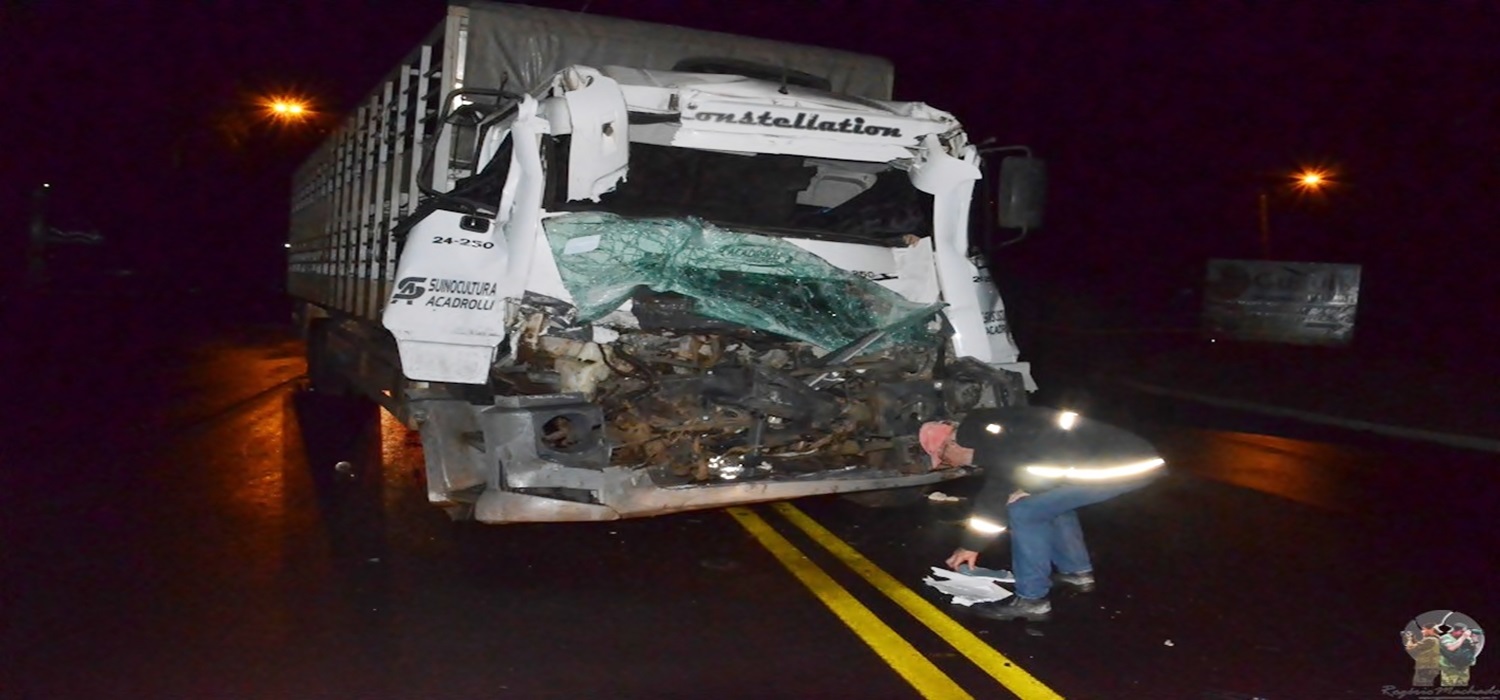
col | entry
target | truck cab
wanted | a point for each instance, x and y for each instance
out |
(627, 291)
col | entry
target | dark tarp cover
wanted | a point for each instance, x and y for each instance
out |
(757, 281)
(532, 44)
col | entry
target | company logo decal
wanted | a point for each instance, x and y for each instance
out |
(447, 293)
(801, 121)
(995, 323)
(409, 288)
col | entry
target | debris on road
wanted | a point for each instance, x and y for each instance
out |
(965, 589)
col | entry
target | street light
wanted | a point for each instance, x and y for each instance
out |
(1309, 181)
(286, 108)
(1312, 180)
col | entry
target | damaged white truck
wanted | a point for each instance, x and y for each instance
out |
(611, 269)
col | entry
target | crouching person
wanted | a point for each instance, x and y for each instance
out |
(1040, 466)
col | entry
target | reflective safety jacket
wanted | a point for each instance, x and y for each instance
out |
(1036, 449)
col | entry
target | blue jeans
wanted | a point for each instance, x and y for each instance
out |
(1044, 532)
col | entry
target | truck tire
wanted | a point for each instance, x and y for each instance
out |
(323, 375)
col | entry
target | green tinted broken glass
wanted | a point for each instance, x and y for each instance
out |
(756, 281)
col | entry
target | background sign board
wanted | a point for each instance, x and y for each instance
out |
(1281, 302)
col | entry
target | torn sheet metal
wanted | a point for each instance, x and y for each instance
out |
(686, 412)
(665, 92)
(936, 172)
(977, 312)
(755, 281)
(600, 149)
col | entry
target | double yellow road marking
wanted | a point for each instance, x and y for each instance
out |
(911, 664)
(896, 651)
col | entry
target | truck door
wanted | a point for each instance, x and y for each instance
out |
(447, 312)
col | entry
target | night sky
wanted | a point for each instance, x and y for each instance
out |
(1160, 123)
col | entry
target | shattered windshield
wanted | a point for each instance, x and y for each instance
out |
(817, 197)
(756, 281)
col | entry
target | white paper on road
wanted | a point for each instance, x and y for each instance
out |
(965, 589)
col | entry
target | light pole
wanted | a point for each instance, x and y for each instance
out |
(1265, 224)
(36, 246)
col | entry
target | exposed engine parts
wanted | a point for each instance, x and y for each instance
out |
(727, 405)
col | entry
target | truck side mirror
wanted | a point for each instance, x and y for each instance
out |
(1023, 191)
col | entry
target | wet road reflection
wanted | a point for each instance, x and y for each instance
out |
(210, 544)
(1315, 474)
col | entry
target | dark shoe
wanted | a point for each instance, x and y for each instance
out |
(1082, 582)
(1015, 608)
(1001, 575)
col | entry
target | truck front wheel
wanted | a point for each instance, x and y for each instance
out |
(323, 375)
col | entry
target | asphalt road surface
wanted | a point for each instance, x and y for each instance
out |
(176, 524)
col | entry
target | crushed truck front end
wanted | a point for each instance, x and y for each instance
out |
(605, 292)
(692, 291)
